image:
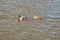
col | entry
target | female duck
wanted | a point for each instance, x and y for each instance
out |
(36, 17)
(22, 18)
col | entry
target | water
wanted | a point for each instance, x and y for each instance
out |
(46, 29)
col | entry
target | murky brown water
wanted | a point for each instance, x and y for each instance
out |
(46, 29)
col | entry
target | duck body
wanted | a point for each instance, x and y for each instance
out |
(36, 17)
(22, 18)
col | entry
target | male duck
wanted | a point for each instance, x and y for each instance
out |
(22, 18)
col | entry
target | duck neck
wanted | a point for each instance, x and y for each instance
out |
(19, 16)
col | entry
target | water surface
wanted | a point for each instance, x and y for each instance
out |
(46, 29)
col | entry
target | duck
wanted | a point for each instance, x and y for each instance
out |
(22, 18)
(37, 17)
